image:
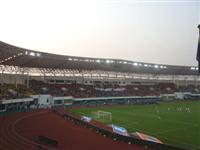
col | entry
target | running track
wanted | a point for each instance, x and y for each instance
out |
(20, 131)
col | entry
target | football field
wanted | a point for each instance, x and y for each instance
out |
(176, 123)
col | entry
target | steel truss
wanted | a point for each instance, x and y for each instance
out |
(93, 74)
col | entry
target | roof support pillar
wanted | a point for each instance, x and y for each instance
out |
(2, 74)
(186, 83)
(27, 80)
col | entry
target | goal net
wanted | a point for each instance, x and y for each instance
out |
(102, 116)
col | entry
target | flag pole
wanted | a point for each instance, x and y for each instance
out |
(198, 51)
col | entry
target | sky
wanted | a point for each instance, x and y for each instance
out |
(154, 31)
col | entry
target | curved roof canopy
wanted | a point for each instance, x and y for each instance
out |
(14, 56)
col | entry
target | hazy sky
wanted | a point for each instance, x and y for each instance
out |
(159, 31)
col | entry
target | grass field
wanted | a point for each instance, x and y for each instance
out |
(164, 121)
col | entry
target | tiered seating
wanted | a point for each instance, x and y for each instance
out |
(189, 88)
(101, 90)
(10, 91)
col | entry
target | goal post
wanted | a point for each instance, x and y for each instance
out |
(102, 116)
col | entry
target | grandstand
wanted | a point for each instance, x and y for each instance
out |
(31, 79)
(26, 72)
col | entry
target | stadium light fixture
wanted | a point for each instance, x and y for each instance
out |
(193, 68)
(156, 66)
(135, 64)
(70, 59)
(107, 61)
(124, 62)
(38, 54)
(98, 61)
(145, 65)
(32, 54)
(139, 64)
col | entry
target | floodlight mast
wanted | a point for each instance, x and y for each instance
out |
(198, 50)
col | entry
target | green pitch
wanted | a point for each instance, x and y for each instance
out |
(173, 123)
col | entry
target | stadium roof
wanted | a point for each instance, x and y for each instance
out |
(15, 56)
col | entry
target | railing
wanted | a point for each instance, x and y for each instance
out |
(114, 136)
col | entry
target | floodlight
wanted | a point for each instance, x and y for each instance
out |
(156, 66)
(32, 54)
(193, 68)
(108, 61)
(38, 54)
(98, 61)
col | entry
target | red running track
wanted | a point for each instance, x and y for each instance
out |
(21, 131)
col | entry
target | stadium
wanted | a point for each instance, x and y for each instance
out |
(50, 101)
(100, 75)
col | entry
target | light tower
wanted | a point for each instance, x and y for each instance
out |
(198, 51)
